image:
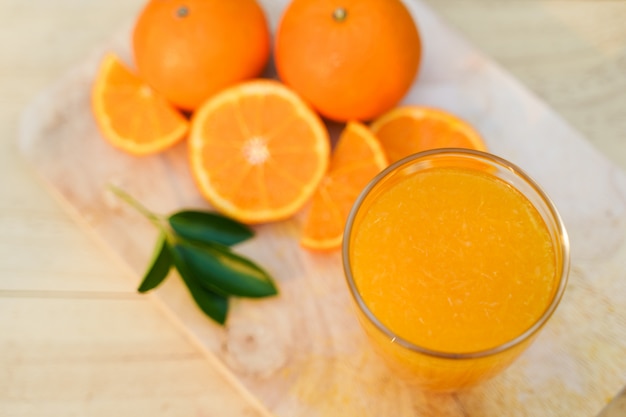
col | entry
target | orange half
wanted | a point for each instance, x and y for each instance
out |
(130, 115)
(258, 151)
(410, 129)
(357, 158)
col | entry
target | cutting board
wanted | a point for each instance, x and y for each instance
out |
(302, 353)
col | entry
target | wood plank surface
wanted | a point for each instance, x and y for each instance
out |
(303, 353)
(79, 361)
(75, 339)
(570, 53)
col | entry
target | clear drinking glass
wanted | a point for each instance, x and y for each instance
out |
(375, 243)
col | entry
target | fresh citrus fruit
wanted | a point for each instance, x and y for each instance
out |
(189, 50)
(356, 159)
(351, 59)
(258, 151)
(130, 114)
(410, 129)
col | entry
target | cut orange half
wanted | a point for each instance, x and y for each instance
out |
(130, 115)
(258, 151)
(356, 159)
(410, 129)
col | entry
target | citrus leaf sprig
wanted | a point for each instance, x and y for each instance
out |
(198, 245)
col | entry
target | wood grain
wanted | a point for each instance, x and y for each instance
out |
(136, 361)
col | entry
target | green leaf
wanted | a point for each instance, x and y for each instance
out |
(159, 266)
(212, 304)
(218, 268)
(209, 227)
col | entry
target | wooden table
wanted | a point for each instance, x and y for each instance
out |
(76, 339)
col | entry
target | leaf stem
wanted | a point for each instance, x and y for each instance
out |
(131, 201)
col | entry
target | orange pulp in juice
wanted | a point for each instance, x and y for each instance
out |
(453, 260)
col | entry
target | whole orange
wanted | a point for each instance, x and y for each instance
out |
(350, 59)
(190, 49)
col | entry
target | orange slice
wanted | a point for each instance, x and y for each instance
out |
(131, 116)
(258, 151)
(356, 159)
(410, 129)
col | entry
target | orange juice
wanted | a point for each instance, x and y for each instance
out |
(453, 266)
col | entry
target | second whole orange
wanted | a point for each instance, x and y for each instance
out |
(189, 50)
(350, 59)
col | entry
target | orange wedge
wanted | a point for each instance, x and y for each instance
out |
(130, 115)
(410, 129)
(356, 159)
(257, 151)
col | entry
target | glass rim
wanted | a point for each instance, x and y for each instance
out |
(561, 239)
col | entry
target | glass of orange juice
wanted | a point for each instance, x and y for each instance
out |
(455, 259)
